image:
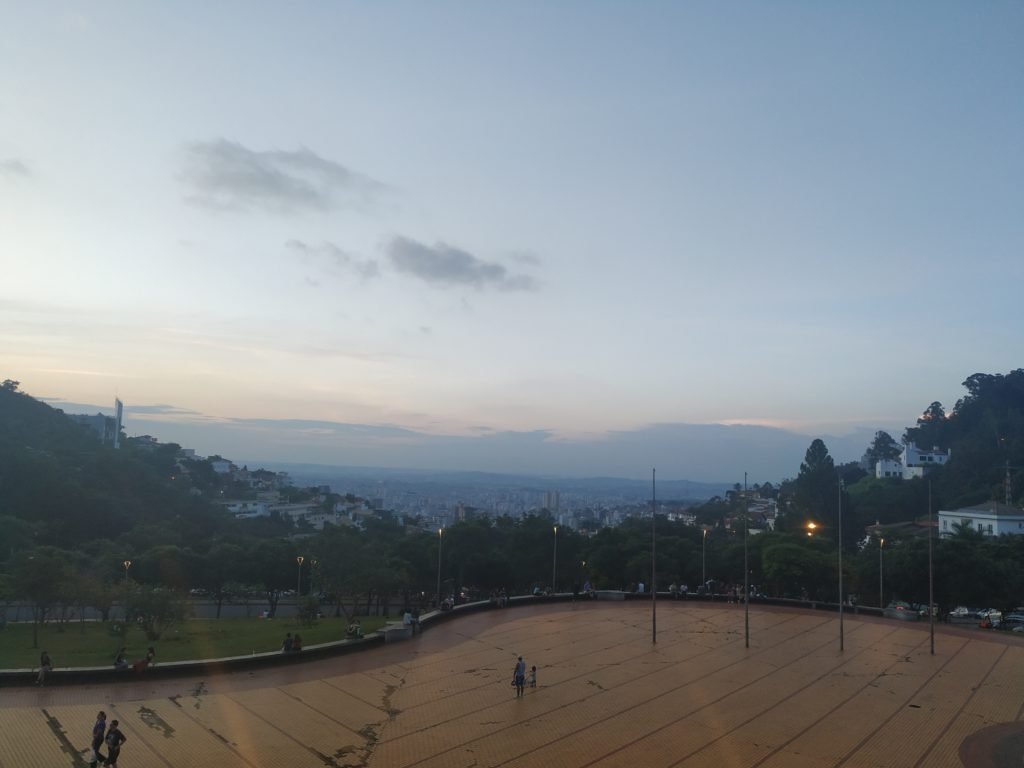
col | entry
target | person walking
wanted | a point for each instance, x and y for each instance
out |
(114, 741)
(519, 677)
(99, 731)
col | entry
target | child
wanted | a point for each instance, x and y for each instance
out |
(531, 680)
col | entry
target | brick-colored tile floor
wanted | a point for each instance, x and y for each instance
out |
(606, 697)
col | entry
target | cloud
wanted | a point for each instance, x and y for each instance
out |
(444, 265)
(331, 259)
(225, 175)
(14, 168)
(161, 410)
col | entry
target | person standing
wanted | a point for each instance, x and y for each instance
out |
(519, 677)
(114, 741)
(99, 731)
(532, 679)
(45, 665)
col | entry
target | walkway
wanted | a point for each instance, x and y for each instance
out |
(606, 697)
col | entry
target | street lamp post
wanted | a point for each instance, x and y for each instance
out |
(746, 567)
(654, 564)
(704, 559)
(840, 563)
(440, 541)
(931, 584)
(298, 580)
(881, 575)
(127, 564)
(554, 561)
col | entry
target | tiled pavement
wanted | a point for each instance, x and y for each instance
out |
(606, 697)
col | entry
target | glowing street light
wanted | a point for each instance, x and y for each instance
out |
(298, 580)
(127, 564)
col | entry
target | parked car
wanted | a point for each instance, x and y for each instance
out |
(899, 609)
(991, 618)
(1014, 621)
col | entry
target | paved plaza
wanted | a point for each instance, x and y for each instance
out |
(605, 697)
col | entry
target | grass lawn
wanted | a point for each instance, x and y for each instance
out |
(92, 644)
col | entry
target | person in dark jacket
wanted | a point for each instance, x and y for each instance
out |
(99, 731)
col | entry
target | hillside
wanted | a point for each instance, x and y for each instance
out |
(60, 486)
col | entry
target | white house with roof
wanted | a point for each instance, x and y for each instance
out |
(913, 462)
(990, 518)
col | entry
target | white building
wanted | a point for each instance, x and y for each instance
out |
(990, 519)
(248, 509)
(912, 462)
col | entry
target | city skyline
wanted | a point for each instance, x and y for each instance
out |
(561, 237)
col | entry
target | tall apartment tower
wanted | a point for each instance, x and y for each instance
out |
(118, 411)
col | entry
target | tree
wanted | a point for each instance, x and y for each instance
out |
(789, 568)
(156, 609)
(42, 576)
(272, 565)
(930, 429)
(882, 448)
(815, 486)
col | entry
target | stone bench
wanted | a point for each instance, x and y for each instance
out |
(396, 631)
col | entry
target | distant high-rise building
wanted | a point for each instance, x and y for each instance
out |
(107, 428)
(118, 412)
(551, 501)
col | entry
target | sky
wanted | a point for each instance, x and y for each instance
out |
(580, 237)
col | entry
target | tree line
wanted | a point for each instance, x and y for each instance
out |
(74, 512)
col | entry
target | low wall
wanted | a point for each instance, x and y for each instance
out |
(389, 633)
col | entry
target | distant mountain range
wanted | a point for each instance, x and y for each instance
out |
(344, 477)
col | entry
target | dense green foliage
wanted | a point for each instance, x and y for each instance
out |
(73, 511)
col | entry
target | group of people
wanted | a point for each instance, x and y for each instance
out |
(111, 737)
(520, 679)
(292, 644)
(121, 660)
